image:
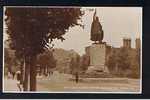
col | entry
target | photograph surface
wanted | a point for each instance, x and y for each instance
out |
(57, 49)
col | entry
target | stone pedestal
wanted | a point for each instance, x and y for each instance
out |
(97, 54)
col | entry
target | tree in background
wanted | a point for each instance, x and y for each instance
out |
(31, 30)
(46, 62)
(85, 62)
(10, 62)
(135, 66)
(123, 59)
(72, 63)
(7, 61)
(119, 62)
(75, 64)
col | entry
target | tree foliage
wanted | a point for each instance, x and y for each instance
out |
(31, 30)
(46, 60)
(119, 61)
(75, 64)
(85, 62)
(10, 62)
(123, 63)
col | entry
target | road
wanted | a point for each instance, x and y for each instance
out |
(55, 84)
(92, 85)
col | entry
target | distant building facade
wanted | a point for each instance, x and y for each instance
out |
(133, 57)
(133, 54)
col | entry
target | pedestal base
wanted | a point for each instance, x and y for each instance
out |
(97, 72)
(97, 54)
(97, 69)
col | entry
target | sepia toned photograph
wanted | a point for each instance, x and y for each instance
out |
(67, 49)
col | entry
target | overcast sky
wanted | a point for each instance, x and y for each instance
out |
(117, 22)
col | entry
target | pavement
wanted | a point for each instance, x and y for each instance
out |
(10, 85)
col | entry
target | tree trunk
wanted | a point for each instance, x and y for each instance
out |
(40, 72)
(26, 77)
(48, 71)
(44, 70)
(33, 74)
(22, 72)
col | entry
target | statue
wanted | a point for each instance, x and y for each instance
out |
(96, 29)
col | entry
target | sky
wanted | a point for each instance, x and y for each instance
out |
(117, 23)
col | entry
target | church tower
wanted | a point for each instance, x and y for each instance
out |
(127, 43)
(137, 43)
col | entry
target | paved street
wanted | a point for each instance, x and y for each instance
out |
(92, 85)
(64, 83)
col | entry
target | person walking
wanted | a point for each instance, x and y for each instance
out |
(77, 77)
(13, 74)
(18, 73)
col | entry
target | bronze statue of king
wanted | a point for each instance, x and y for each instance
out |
(96, 30)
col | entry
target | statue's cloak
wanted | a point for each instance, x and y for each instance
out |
(96, 31)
